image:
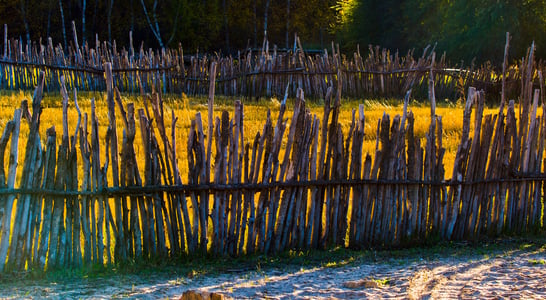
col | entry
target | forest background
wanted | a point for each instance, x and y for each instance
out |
(463, 29)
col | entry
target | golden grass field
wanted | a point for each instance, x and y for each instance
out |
(186, 108)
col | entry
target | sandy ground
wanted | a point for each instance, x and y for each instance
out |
(518, 273)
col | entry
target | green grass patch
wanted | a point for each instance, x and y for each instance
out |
(537, 262)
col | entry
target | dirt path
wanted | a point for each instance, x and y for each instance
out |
(519, 273)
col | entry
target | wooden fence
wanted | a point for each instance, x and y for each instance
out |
(249, 74)
(302, 184)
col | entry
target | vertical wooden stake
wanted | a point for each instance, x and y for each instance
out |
(12, 171)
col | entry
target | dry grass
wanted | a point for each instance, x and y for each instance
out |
(254, 117)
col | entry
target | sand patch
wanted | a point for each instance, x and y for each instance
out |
(518, 274)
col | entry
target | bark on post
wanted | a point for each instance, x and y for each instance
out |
(8, 129)
(85, 153)
(12, 171)
(120, 252)
(48, 183)
(459, 165)
(19, 250)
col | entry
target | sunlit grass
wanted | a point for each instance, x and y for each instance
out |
(186, 108)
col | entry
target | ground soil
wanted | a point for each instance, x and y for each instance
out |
(516, 271)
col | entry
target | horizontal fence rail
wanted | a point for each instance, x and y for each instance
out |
(303, 183)
(210, 189)
(250, 74)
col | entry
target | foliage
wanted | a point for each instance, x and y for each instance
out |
(372, 22)
(195, 24)
(463, 29)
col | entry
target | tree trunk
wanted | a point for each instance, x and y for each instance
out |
(226, 28)
(265, 18)
(84, 5)
(48, 19)
(25, 22)
(132, 17)
(255, 19)
(109, 20)
(62, 23)
(155, 26)
(287, 22)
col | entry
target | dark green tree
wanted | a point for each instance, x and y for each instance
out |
(464, 29)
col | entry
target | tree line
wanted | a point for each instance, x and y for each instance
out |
(464, 29)
(204, 25)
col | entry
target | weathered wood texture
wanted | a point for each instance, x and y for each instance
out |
(249, 74)
(303, 184)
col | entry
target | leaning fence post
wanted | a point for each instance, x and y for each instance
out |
(120, 251)
(13, 161)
